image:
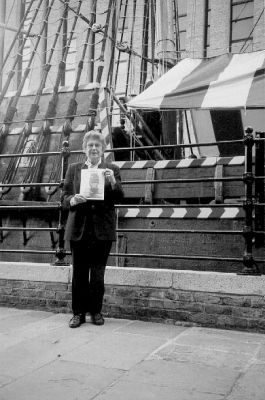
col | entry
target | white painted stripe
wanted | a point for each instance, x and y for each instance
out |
(16, 131)
(56, 128)
(179, 213)
(47, 90)
(186, 162)
(119, 164)
(105, 132)
(230, 212)
(103, 114)
(161, 164)
(238, 160)
(139, 164)
(80, 128)
(209, 161)
(12, 93)
(205, 212)
(89, 86)
(65, 89)
(36, 129)
(232, 87)
(154, 213)
(132, 212)
(104, 84)
(28, 92)
(154, 95)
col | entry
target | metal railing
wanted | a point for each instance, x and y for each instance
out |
(253, 227)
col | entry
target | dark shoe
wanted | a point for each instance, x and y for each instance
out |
(77, 320)
(97, 319)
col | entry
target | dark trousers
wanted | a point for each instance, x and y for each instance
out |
(89, 262)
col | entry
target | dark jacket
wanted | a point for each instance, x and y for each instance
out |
(96, 215)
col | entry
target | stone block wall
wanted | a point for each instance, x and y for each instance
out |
(178, 297)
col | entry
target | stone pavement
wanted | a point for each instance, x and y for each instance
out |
(42, 359)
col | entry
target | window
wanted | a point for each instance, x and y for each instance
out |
(181, 22)
(241, 25)
(207, 27)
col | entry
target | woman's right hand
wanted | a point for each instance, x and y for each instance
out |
(77, 199)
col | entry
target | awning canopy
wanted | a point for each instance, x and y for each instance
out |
(223, 82)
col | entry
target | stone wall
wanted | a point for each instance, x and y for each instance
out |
(178, 297)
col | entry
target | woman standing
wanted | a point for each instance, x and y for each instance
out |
(90, 229)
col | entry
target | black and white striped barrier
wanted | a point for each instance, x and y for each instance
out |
(185, 163)
(182, 212)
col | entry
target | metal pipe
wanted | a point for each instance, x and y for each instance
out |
(136, 182)
(178, 205)
(24, 208)
(17, 228)
(28, 184)
(259, 222)
(139, 230)
(60, 251)
(28, 251)
(250, 267)
(178, 257)
(119, 206)
(137, 255)
(190, 180)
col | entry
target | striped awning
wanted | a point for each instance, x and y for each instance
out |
(223, 82)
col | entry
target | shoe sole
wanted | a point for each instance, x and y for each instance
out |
(77, 326)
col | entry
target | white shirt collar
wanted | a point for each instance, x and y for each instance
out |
(89, 165)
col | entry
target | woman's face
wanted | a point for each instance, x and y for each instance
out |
(94, 151)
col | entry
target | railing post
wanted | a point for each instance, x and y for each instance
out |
(259, 188)
(61, 251)
(250, 267)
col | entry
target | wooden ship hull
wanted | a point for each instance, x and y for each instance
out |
(153, 219)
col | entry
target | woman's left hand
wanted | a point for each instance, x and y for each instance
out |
(109, 174)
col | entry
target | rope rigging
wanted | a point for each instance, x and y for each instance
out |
(20, 146)
(14, 41)
(131, 44)
(20, 51)
(94, 99)
(72, 107)
(35, 167)
(121, 37)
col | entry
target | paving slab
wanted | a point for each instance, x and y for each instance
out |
(250, 385)
(61, 380)
(201, 355)
(18, 320)
(214, 341)
(151, 329)
(142, 391)
(115, 350)
(241, 336)
(261, 354)
(31, 330)
(7, 312)
(184, 376)
(33, 353)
